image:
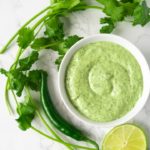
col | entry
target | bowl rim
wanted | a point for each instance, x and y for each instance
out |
(133, 50)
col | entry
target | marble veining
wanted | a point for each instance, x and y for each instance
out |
(13, 13)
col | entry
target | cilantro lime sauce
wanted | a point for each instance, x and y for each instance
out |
(103, 81)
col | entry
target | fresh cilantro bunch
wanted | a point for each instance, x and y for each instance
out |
(54, 38)
(26, 111)
(21, 76)
(22, 79)
(118, 10)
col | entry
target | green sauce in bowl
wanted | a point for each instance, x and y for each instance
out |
(103, 81)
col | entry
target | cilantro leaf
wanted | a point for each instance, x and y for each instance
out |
(109, 25)
(59, 60)
(26, 112)
(129, 8)
(117, 10)
(67, 43)
(71, 40)
(54, 28)
(113, 9)
(61, 46)
(34, 79)
(16, 80)
(45, 43)
(40, 43)
(26, 36)
(64, 46)
(27, 62)
(141, 14)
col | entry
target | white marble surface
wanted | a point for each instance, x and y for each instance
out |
(13, 13)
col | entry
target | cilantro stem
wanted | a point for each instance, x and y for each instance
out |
(17, 58)
(47, 126)
(50, 129)
(47, 136)
(52, 1)
(7, 101)
(4, 49)
(40, 132)
(94, 7)
(88, 7)
(39, 29)
(40, 21)
(51, 138)
(80, 147)
(15, 97)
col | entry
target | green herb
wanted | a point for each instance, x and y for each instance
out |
(63, 47)
(16, 80)
(34, 79)
(26, 112)
(113, 9)
(27, 62)
(141, 14)
(54, 28)
(129, 8)
(26, 36)
(40, 43)
(59, 60)
(67, 43)
(109, 25)
(117, 11)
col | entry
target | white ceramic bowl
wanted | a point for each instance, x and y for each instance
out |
(133, 50)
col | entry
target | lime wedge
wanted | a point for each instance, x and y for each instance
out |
(125, 137)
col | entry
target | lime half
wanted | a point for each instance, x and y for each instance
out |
(125, 137)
